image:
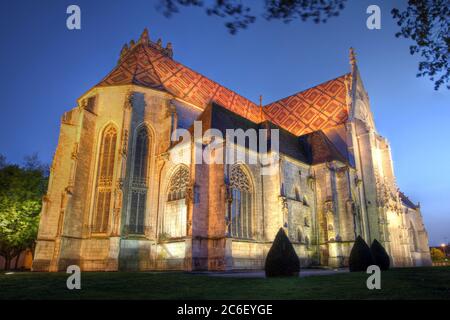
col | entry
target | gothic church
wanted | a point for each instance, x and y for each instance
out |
(116, 201)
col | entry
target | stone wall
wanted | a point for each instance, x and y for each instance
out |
(321, 207)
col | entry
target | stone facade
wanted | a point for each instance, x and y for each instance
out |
(117, 201)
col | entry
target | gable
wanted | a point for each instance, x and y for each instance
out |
(145, 65)
(317, 108)
(148, 64)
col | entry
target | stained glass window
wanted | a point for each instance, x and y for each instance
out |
(104, 184)
(139, 186)
(240, 211)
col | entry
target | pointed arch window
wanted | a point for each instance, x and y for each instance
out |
(240, 217)
(104, 185)
(178, 184)
(139, 187)
(175, 213)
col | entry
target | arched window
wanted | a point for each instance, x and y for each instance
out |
(174, 223)
(139, 183)
(178, 184)
(104, 185)
(240, 211)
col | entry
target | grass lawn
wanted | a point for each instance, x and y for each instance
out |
(406, 283)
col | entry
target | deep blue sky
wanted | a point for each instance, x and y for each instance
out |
(45, 68)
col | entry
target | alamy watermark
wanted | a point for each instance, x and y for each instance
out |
(74, 280)
(73, 21)
(373, 22)
(373, 281)
(251, 146)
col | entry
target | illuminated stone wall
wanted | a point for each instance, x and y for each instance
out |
(322, 207)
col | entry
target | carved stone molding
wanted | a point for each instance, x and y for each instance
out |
(74, 154)
(164, 157)
(284, 209)
(328, 206)
(191, 193)
(311, 180)
(239, 180)
(124, 143)
(129, 100)
(118, 198)
(171, 109)
(119, 184)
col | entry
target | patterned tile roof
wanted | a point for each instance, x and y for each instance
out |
(148, 64)
(320, 107)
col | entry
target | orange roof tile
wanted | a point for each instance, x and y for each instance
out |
(317, 108)
(149, 65)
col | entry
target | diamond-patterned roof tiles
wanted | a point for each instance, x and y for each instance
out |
(147, 64)
(317, 108)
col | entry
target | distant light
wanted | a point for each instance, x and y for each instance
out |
(8, 273)
(443, 245)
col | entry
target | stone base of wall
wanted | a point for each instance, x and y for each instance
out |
(250, 255)
(115, 254)
(43, 255)
(41, 265)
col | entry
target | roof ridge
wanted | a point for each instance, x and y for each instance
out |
(153, 67)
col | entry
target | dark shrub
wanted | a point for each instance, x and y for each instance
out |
(380, 256)
(282, 261)
(360, 256)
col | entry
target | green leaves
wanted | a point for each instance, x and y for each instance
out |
(426, 22)
(21, 190)
(239, 14)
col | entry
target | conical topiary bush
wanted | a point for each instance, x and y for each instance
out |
(282, 261)
(360, 256)
(380, 256)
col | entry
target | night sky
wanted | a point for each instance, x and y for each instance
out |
(45, 67)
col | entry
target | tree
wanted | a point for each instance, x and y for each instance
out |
(427, 23)
(424, 21)
(240, 15)
(282, 261)
(380, 256)
(436, 254)
(360, 256)
(21, 191)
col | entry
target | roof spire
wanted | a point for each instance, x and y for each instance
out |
(352, 57)
(123, 52)
(144, 39)
(262, 117)
(169, 49)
